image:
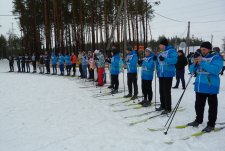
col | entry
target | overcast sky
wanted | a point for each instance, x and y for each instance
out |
(182, 10)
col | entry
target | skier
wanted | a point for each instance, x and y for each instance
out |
(27, 61)
(54, 63)
(131, 62)
(23, 63)
(47, 62)
(208, 66)
(114, 70)
(73, 60)
(166, 60)
(147, 72)
(33, 59)
(223, 58)
(68, 64)
(101, 67)
(180, 69)
(41, 64)
(18, 61)
(61, 64)
(11, 63)
(79, 62)
(91, 64)
(84, 66)
(217, 50)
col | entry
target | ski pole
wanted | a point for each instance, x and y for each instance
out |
(155, 83)
(176, 107)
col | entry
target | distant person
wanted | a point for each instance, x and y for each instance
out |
(61, 64)
(11, 63)
(23, 63)
(180, 69)
(41, 64)
(54, 59)
(27, 61)
(84, 65)
(18, 61)
(47, 62)
(68, 64)
(73, 60)
(33, 59)
(217, 50)
(100, 61)
(79, 63)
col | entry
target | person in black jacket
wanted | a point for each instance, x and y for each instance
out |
(33, 59)
(180, 69)
(11, 63)
(18, 61)
(47, 62)
(27, 61)
(23, 63)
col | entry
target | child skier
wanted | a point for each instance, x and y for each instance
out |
(147, 71)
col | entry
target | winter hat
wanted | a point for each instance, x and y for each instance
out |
(148, 50)
(115, 50)
(164, 42)
(97, 51)
(181, 51)
(129, 48)
(207, 45)
(217, 49)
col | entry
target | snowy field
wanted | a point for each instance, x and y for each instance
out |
(53, 113)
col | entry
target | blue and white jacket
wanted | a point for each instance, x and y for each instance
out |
(61, 60)
(115, 65)
(148, 67)
(131, 62)
(166, 68)
(54, 59)
(67, 60)
(208, 80)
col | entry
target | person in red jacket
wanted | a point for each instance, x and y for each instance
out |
(73, 59)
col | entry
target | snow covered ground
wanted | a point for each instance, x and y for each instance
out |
(52, 113)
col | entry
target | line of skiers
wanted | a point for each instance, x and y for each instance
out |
(205, 63)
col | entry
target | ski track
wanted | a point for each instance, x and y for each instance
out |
(51, 113)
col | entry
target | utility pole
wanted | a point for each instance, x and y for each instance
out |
(188, 39)
(212, 39)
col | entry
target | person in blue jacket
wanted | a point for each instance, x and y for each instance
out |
(166, 60)
(54, 63)
(61, 64)
(114, 70)
(131, 62)
(84, 65)
(207, 83)
(147, 71)
(68, 64)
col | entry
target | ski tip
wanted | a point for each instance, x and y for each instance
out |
(169, 142)
(181, 126)
(198, 134)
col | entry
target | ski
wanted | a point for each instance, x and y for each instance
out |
(164, 128)
(106, 94)
(127, 100)
(151, 117)
(146, 113)
(198, 134)
(136, 107)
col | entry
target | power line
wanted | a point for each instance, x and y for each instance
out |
(170, 18)
(196, 22)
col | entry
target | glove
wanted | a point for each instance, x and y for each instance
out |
(155, 58)
(161, 58)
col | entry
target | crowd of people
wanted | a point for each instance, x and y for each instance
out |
(205, 65)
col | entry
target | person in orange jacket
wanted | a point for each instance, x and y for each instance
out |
(73, 59)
